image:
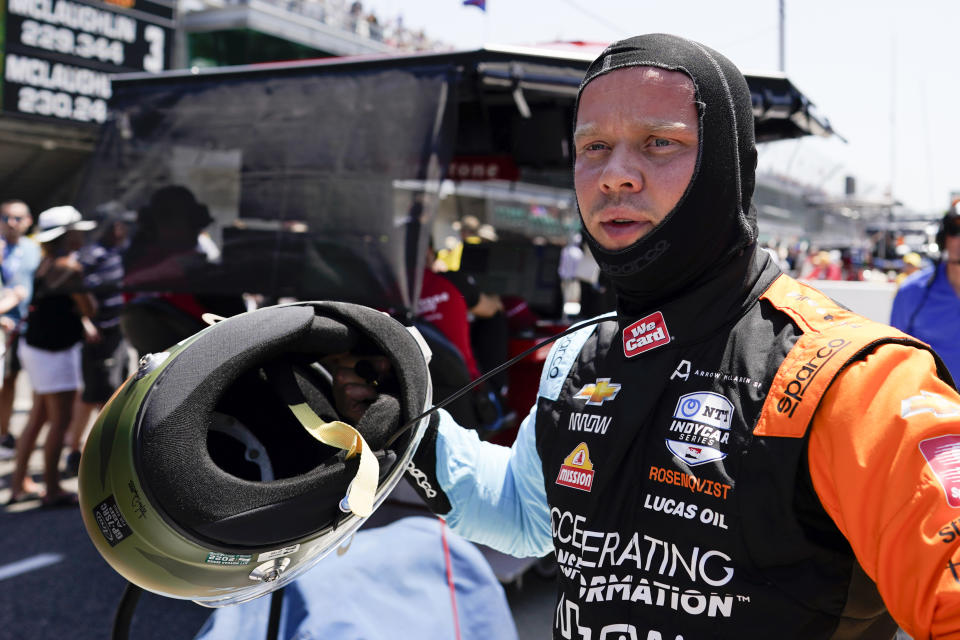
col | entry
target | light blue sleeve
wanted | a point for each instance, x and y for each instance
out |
(497, 493)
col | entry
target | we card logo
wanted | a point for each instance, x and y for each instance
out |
(577, 470)
(645, 334)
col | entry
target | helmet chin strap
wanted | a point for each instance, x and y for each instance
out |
(363, 488)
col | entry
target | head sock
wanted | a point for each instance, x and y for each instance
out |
(714, 219)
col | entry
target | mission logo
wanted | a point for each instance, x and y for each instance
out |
(577, 470)
(700, 429)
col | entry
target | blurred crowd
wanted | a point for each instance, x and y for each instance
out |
(353, 17)
(80, 299)
(74, 315)
(809, 262)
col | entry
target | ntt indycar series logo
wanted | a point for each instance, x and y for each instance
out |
(700, 429)
(577, 470)
(645, 334)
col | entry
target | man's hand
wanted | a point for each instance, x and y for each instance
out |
(355, 381)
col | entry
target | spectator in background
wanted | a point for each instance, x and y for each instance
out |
(911, 264)
(570, 257)
(823, 266)
(21, 255)
(104, 363)
(443, 305)
(166, 263)
(60, 320)
(848, 269)
(927, 305)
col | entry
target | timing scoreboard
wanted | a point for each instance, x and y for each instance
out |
(57, 56)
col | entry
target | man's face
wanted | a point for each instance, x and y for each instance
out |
(15, 219)
(352, 394)
(636, 149)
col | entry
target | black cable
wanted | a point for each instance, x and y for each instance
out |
(276, 607)
(124, 615)
(506, 365)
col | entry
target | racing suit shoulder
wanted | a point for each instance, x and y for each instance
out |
(832, 337)
(884, 460)
(563, 354)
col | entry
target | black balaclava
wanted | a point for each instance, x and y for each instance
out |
(714, 220)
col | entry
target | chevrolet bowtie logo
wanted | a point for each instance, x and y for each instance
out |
(599, 392)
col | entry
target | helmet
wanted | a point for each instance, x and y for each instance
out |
(200, 479)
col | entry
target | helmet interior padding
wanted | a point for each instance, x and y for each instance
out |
(205, 491)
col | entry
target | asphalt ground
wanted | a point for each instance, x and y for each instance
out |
(54, 584)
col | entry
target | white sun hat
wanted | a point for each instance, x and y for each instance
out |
(56, 221)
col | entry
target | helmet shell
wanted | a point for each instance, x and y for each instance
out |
(145, 545)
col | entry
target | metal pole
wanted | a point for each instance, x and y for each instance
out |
(783, 63)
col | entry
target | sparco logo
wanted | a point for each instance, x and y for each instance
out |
(645, 334)
(640, 263)
(558, 357)
(793, 393)
(422, 480)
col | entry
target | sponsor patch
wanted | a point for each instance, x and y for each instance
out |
(700, 429)
(691, 482)
(111, 522)
(642, 570)
(589, 423)
(949, 532)
(681, 509)
(228, 559)
(928, 402)
(803, 376)
(598, 392)
(577, 470)
(943, 457)
(560, 359)
(645, 334)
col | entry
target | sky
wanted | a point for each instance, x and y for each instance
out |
(885, 73)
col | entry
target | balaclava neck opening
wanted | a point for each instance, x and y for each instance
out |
(714, 219)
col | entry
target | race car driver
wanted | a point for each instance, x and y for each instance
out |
(730, 454)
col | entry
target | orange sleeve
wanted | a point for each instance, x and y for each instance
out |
(869, 446)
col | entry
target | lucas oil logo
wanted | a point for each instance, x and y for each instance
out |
(645, 334)
(599, 392)
(700, 429)
(577, 470)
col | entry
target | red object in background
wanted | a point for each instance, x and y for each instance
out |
(442, 305)
(525, 377)
(520, 317)
(483, 168)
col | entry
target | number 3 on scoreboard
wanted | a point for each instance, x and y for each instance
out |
(155, 37)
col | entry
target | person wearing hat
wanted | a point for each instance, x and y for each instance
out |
(927, 304)
(60, 320)
(731, 453)
(911, 264)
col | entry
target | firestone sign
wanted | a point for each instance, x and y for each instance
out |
(58, 55)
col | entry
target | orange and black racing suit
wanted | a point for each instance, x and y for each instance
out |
(750, 460)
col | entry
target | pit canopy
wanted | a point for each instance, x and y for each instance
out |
(321, 179)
